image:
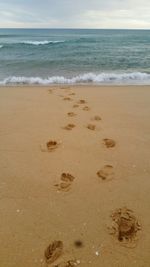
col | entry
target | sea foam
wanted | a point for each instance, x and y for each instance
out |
(102, 78)
(40, 42)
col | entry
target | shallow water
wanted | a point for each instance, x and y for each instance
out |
(45, 56)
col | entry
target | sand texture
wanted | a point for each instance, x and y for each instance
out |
(75, 176)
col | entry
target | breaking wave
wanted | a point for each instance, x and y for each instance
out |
(41, 42)
(102, 78)
(34, 43)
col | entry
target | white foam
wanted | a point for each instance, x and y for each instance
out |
(1, 46)
(102, 78)
(40, 42)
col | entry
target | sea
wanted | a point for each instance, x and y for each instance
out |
(74, 56)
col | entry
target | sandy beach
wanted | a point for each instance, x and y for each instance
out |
(75, 168)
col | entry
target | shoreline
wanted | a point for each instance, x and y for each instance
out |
(68, 191)
(73, 85)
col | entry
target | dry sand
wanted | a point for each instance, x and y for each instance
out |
(67, 191)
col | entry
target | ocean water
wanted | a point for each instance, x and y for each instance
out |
(69, 56)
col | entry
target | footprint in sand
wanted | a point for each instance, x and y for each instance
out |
(81, 101)
(75, 106)
(109, 143)
(106, 173)
(96, 118)
(51, 145)
(63, 187)
(86, 108)
(53, 251)
(71, 114)
(67, 180)
(125, 227)
(67, 177)
(91, 127)
(69, 126)
(67, 98)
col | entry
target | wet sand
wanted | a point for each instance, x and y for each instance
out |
(70, 157)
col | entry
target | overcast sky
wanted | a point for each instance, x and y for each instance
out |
(75, 13)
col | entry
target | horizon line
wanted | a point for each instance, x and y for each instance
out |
(56, 28)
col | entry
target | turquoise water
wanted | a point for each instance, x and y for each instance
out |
(45, 56)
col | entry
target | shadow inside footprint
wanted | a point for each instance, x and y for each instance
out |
(71, 114)
(86, 108)
(50, 146)
(81, 101)
(64, 186)
(75, 106)
(67, 98)
(67, 177)
(53, 251)
(106, 173)
(109, 143)
(91, 127)
(96, 118)
(69, 126)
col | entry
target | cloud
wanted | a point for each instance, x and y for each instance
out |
(75, 13)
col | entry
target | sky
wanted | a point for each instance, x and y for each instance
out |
(126, 14)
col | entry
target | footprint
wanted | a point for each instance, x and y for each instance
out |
(86, 108)
(67, 98)
(91, 127)
(69, 126)
(53, 251)
(75, 106)
(71, 114)
(96, 118)
(67, 177)
(125, 227)
(63, 186)
(81, 101)
(50, 146)
(67, 180)
(106, 173)
(109, 142)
